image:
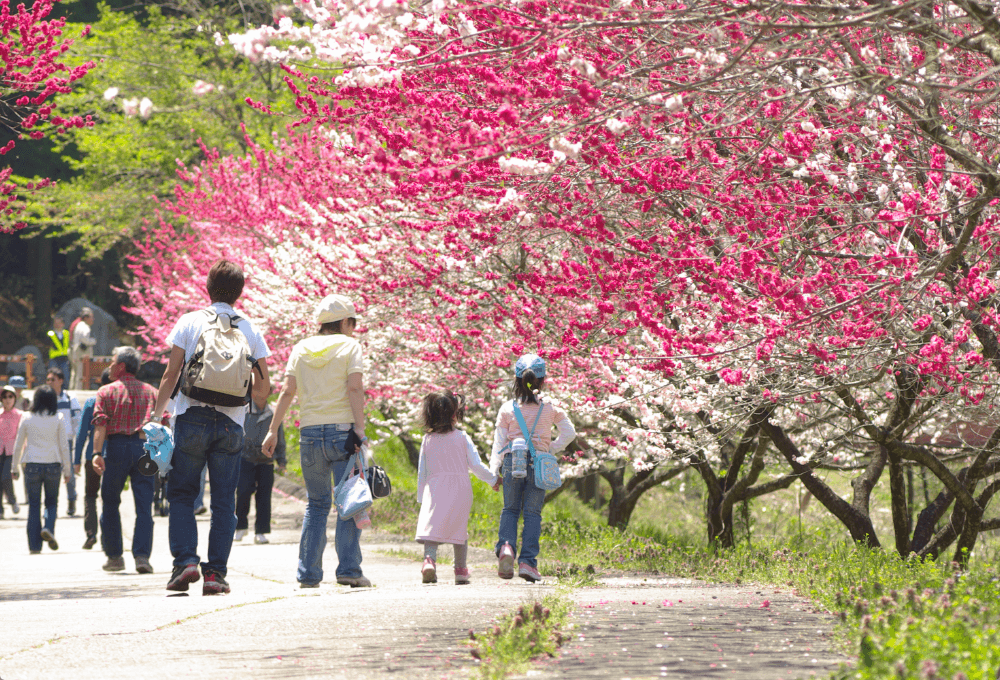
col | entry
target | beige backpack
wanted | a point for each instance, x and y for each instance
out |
(220, 372)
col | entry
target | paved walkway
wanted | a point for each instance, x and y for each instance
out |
(62, 616)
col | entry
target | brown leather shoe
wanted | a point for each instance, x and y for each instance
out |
(114, 564)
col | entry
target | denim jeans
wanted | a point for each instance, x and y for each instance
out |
(71, 482)
(203, 436)
(37, 476)
(521, 497)
(322, 453)
(255, 480)
(92, 490)
(121, 460)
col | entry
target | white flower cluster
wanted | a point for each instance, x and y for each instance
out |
(562, 149)
(523, 166)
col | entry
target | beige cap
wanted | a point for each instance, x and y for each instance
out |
(8, 388)
(334, 308)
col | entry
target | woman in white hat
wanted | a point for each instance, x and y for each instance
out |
(325, 372)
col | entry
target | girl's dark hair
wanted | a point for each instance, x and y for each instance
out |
(459, 406)
(526, 386)
(439, 412)
(334, 327)
(45, 402)
(106, 377)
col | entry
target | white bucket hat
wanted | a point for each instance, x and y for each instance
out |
(334, 308)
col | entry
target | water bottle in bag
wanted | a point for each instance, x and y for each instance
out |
(519, 463)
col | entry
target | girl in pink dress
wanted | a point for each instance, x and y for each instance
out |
(443, 486)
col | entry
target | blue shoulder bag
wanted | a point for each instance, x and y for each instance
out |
(546, 466)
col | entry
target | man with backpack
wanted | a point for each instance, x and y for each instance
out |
(217, 362)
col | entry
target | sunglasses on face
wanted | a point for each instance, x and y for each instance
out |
(9, 396)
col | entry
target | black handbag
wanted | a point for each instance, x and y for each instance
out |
(378, 481)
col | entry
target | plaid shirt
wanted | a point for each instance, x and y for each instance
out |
(124, 405)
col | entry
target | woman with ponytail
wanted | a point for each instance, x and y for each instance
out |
(520, 495)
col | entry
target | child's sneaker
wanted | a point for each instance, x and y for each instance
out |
(429, 571)
(528, 573)
(462, 577)
(505, 566)
(362, 520)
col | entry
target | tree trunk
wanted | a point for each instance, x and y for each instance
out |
(858, 523)
(412, 449)
(900, 509)
(43, 280)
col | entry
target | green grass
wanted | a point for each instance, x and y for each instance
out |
(902, 618)
(512, 641)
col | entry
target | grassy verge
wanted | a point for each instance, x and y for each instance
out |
(903, 618)
(510, 644)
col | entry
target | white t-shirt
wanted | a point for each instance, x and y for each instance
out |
(186, 334)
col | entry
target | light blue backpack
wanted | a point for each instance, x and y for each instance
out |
(546, 466)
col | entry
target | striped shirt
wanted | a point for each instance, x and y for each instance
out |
(508, 429)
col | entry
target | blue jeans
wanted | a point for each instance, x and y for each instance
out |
(121, 459)
(322, 454)
(203, 436)
(37, 476)
(521, 497)
(71, 482)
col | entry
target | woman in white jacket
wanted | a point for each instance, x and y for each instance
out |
(42, 448)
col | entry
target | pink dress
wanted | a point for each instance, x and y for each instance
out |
(444, 488)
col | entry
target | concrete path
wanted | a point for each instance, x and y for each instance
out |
(61, 616)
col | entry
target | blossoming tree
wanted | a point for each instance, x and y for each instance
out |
(31, 73)
(756, 240)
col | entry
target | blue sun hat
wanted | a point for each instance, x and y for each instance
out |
(17, 381)
(531, 362)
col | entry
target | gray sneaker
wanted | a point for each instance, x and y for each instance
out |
(359, 582)
(142, 565)
(114, 564)
(48, 537)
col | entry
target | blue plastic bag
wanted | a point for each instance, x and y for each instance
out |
(159, 445)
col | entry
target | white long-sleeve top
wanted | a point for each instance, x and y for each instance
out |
(508, 429)
(43, 439)
(472, 455)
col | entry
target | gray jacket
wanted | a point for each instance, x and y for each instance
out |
(255, 428)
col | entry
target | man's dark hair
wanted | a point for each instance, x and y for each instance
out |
(46, 402)
(225, 282)
(57, 372)
(129, 358)
(439, 412)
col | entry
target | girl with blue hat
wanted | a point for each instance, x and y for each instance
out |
(521, 497)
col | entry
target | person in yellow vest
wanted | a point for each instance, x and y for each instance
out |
(59, 345)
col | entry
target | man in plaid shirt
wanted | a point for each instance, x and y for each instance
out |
(119, 413)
